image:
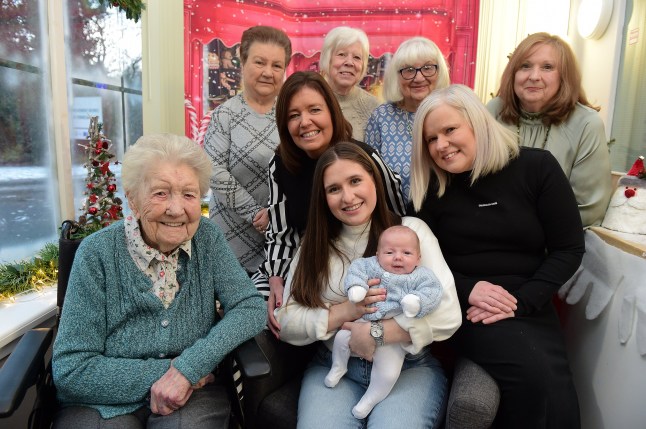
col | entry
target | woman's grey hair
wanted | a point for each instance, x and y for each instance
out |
(495, 144)
(152, 149)
(339, 38)
(411, 51)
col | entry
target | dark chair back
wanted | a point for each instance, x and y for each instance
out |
(66, 251)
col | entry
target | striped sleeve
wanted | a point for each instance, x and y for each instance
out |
(391, 181)
(281, 240)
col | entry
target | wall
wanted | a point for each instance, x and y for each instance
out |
(163, 66)
(504, 23)
(599, 60)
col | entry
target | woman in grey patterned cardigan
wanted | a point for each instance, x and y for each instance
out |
(240, 141)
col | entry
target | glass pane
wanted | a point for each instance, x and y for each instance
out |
(27, 180)
(21, 33)
(106, 104)
(102, 44)
(104, 66)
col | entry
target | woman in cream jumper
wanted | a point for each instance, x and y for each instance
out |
(348, 212)
(344, 63)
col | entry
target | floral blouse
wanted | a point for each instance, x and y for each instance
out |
(159, 268)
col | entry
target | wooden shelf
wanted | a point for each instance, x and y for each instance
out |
(620, 241)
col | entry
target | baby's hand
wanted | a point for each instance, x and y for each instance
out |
(411, 305)
(357, 294)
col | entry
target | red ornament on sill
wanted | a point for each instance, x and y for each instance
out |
(92, 210)
(112, 188)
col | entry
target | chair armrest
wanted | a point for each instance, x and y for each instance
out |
(251, 360)
(22, 368)
(474, 398)
(287, 363)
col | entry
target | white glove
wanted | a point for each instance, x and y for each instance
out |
(596, 271)
(634, 302)
(357, 293)
(411, 305)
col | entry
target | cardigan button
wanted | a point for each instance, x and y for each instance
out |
(165, 323)
(162, 355)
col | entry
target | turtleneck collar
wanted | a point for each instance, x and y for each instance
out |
(355, 230)
(530, 116)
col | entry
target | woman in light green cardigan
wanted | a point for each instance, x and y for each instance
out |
(139, 337)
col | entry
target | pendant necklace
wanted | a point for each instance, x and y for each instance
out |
(547, 134)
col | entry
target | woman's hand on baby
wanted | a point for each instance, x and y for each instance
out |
(492, 298)
(374, 294)
(361, 343)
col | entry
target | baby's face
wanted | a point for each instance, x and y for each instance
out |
(398, 252)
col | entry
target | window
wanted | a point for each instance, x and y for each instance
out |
(103, 75)
(29, 208)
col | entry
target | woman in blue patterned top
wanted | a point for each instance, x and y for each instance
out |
(416, 69)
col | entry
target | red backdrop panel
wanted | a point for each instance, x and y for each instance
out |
(451, 24)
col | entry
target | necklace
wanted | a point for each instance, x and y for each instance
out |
(409, 123)
(547, 134)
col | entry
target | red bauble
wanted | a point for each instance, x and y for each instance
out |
(107, 215)
(95, 163)
(112, 188)
(90, 186)
(92, 210)
(98, 151)
(105, 145)
(93, 198)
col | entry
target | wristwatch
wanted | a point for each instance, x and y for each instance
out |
(377, 331)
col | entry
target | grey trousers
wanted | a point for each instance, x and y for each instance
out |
(208, 407)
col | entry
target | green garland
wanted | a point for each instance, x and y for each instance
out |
(23, 276)
(132, 8)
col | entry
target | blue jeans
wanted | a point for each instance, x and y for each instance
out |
(418, 399)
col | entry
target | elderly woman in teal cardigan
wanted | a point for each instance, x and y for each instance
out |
(140, 337)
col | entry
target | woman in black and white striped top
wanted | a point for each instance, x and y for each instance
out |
(309, 121)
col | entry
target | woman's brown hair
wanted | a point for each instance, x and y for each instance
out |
(311, 276)
(268, 35)
(291, 155)
(570, 90)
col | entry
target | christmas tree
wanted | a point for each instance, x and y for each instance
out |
(101, 206)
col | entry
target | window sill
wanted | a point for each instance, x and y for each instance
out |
(27, 312)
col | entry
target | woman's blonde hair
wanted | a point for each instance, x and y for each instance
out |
(495, 145)
(411, 51)
(151, 149)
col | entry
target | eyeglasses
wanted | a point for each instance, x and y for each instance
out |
(409, 73)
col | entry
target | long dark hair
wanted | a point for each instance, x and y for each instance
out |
(291, 155)
(311, 276)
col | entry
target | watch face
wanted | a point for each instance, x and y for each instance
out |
(375, 331)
